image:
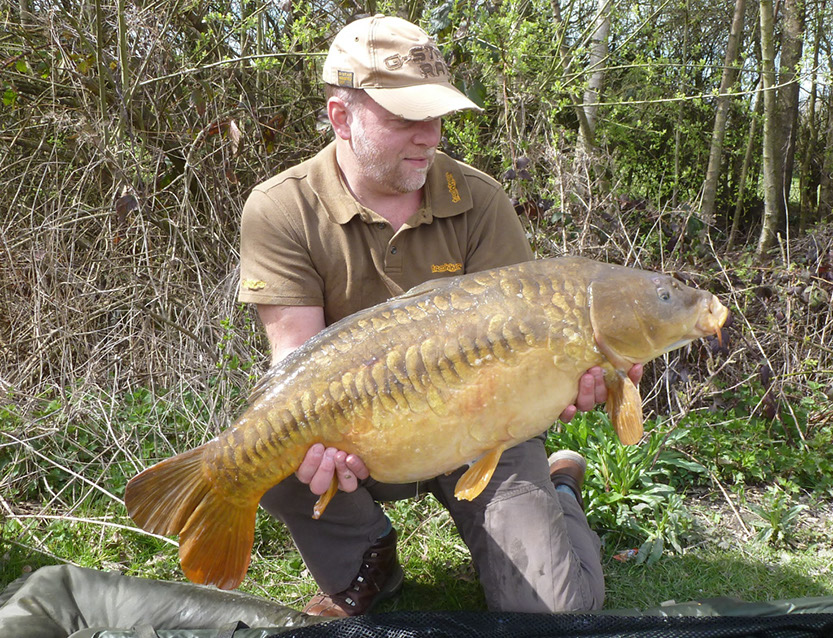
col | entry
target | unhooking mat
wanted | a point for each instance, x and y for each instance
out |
(71, 602)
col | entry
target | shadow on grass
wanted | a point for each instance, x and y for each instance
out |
(698, 575)
(709, 573)
(437, 586)
(15, 561)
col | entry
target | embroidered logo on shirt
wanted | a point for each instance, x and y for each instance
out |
(252, 284)
(452, 188)
(446, 267)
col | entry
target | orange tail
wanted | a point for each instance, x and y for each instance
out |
(216, 535)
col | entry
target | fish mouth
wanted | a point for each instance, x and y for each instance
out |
(712, 320)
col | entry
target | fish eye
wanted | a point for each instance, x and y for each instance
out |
(663, 294)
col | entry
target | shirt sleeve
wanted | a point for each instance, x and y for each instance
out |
(275, 263)
(496, 235)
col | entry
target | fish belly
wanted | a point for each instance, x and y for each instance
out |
(500, 405)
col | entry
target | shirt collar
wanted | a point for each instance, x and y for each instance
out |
(446, 189)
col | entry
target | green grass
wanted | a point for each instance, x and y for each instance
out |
(672, 496)
(439, 572)
(759, 574)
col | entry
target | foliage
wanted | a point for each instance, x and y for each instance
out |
(631, 491)
(82, 446)
(777, 517)
(126, 161)
(744, 447)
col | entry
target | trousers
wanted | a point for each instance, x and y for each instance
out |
(531, 545)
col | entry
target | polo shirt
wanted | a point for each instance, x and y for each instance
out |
(306, 241)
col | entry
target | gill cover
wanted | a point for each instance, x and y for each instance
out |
(638, 315)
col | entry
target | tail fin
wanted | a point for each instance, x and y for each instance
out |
(216, 535)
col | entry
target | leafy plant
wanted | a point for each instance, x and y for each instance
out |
(777, 517)
(746, 447)
(631, 490)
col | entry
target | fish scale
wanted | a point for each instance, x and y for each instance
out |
(459, 369)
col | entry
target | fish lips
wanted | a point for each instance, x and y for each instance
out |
(712, 321)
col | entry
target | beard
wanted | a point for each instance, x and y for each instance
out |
(384, 167)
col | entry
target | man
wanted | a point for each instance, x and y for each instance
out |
(372, 215)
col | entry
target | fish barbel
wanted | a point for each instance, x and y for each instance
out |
(453, 371)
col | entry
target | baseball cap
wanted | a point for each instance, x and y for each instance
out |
(398, 65)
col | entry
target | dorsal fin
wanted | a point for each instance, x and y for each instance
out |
(428, 286)
(263, 383)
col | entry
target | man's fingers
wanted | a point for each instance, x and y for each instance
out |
(568, 414)
(321, 464)
(357, 466)
(599, 386)
(309, 466)
(347, 480)
(350, 469)
(591, 390)
(324, 474)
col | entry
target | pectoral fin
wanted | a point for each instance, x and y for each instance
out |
(624, 406)
(324, 499)
(477, 477)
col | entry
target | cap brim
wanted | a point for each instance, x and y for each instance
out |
(422, 101)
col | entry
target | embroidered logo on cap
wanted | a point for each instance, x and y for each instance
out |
(345, 78)
(427, 58)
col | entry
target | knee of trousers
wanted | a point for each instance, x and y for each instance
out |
(534, 556)
(288, 498)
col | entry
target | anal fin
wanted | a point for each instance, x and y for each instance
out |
(477, 477)
(325, 498)
(624, 406)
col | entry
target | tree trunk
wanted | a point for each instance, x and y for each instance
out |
(245, 39)
(101, 69)
(596, 67)
(747, 162)
(678, 125)
(260, 49)
(769, 223)
(586, 134)
(792, 45)
(25, 13)
(124, 66)
(805, 182)
(730, 76)
(826, 187)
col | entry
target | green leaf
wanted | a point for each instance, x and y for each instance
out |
(440, 18)
(691, 466)
(644, 551)
(9, 97)
(656, 551)
(476, 92)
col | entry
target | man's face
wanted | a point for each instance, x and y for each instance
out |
(392, 153)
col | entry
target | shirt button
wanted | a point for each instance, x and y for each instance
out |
(393, 250)
(380, 225)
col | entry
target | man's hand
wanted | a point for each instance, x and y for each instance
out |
(320, 464)
(592, 390)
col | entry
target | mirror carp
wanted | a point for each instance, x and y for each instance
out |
(454, 371)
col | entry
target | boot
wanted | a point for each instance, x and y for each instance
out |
(380, 577)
